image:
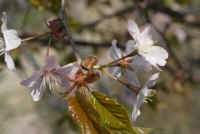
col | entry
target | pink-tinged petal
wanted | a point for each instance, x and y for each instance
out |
(152, 80)
(32, 79)
(11, 38)
(114, 71)
(67, 70)
(130, 47)
(133, 29)
(36, 90)
(115, 53)
(65, 82)
(9, 61)
(76, 67)
(139, 64)
(4, 20)
(50, 63)
(131, 77)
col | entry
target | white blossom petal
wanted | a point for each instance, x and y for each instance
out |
(160, 54)
(11, 38)
(130, 47)
(133, 29)
(139, 64)
(155, 55)
(115, 53)
(146, 35)
(143, 93)
(9, 61)
(4, 20)
(152, 60)
(139, 100)
(131, 77)
(152, 80)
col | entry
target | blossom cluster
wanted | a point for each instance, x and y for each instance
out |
(148, 55)
(139, 56)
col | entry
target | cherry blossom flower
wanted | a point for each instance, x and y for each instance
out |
(144, 45)
(127, 65)
(52, 74)
(144, 95)
(10, 41)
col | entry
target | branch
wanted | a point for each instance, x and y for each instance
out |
(78, 58)
(118, 13)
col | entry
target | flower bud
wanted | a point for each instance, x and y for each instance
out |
(89, 62)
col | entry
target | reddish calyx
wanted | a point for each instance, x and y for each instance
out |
(81, 81)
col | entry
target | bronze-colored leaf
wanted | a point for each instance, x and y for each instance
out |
(85, 115)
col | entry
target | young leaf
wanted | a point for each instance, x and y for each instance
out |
(113, 115)
(85, 115)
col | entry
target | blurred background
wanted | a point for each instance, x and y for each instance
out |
(94, 24)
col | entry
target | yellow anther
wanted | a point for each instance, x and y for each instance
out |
(149, 95)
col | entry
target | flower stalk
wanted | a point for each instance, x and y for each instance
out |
(47, 53)
(27, 39)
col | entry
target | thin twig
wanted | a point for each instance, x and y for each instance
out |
(118, 13)
(78, 59)
(47, 52)
(34, 37)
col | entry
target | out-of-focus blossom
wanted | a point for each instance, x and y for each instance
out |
(9, 42)
(144, 95)
(52, 74)
(127, 66)
(155, 55)
(180, 35)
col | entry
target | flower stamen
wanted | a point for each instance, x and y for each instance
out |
(51, 79)
(149, 95)
(2, 46)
